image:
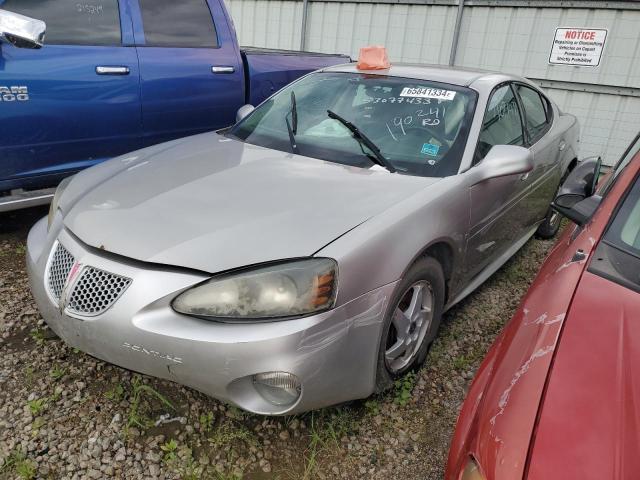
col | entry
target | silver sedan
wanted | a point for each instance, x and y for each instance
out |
(305, 256)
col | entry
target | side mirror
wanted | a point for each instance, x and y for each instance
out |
(21, 31)
(502, 161)
(243, 111)
(576, 199)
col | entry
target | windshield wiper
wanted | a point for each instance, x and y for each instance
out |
(361, 137)
(294, 118)
(294, 113)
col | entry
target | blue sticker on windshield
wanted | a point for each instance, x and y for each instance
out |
(430, 149)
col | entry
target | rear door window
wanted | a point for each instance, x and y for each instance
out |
(71, 22)
(182, 24)
(502, 124)
(536, 116)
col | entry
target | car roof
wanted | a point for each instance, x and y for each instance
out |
(437, 73)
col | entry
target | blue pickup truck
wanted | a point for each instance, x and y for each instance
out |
(112, 76)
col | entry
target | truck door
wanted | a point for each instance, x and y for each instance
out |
(191, 72)
(72, 103)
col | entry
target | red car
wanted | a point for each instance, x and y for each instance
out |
(558, 395)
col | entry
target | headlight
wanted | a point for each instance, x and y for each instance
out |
(282, 290)
(471, 471)
(53, 208)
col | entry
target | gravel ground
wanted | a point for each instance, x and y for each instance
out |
(64, 414)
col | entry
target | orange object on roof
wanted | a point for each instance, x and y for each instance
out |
(373, 57)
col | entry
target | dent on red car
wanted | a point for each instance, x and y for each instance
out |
(498, 418)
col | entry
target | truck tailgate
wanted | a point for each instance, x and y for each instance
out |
(268, 70)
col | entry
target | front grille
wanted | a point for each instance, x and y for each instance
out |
(59, 268)
(95, 291)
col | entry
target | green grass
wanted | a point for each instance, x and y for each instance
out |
(115, 394)
(17, 463)
(57, 372)
(37, 406)
(229, 432)
(38, 335)
(326, 428)
(206, 421)
(170, 449)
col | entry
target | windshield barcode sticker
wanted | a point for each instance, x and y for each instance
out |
(428, 93)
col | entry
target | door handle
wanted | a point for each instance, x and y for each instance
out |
(524, 176)
(222, 69)
(562, 145)
(112, 70)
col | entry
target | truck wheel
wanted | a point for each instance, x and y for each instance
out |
(411, 322)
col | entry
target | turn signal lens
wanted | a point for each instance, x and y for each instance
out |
(472, 471)
(278, 388)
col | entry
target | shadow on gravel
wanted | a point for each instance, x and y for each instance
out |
(18, 223)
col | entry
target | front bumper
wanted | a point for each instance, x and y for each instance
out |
(333, 354)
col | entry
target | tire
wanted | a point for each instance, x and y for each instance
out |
(550, 226)
(553, 220)
(425, 274)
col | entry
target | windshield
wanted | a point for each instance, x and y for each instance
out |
(419, 127)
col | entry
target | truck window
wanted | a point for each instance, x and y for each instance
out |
(183, 24)
(70, 22)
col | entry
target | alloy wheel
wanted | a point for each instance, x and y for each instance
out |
(410, 323)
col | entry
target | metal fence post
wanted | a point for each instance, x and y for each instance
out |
(456, 33)
(303, 32)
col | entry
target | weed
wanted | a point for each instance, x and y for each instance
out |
(38, 335)
(58, 372)
(115, 394)
(206, 421)
(37, 406)
(403, 388)
(139, 404)
(18, 463)
(29, 375)
(169, 448)
(181, 461)
(326, 429)
(36, 425)
(228, 432)
(21, 249)
(372, 406)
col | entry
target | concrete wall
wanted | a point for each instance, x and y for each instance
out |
(510, 36)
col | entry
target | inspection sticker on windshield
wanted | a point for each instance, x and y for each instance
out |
(423, 92)
(430, 149)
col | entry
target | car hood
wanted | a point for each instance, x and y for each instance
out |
(589, 425)
(212, 203)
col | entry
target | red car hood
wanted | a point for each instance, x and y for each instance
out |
(589, 426)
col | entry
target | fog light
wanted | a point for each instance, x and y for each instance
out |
(278, 388)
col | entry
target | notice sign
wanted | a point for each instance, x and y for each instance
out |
(578, 46)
